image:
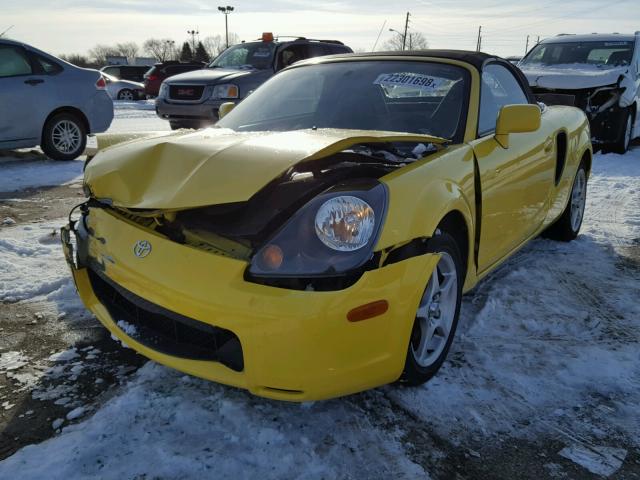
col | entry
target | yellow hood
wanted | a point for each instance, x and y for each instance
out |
(213, 166)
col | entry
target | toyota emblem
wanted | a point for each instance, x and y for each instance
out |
(142, 248)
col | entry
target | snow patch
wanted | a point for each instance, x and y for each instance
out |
(599, 460)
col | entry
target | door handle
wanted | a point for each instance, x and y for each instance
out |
(34, 81)
(548, 145)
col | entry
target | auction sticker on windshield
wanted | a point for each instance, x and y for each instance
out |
(414, 80)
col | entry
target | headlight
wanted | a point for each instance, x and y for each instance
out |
(162, 93)
(227, 90)
(345, 223)
(333, 234)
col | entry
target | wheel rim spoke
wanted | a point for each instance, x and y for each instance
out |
(436, 312)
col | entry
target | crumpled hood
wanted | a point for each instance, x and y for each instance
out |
(208, 76)
(213, 166)
(572, 77)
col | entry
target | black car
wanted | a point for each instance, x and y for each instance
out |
(134, 73)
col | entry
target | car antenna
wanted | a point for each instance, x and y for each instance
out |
(2, 34)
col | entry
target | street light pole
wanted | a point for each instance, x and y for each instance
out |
(226, 10)
(401, 36)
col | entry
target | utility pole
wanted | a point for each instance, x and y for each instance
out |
(411, 41)
(226, 10)
(526, 48)
(538, 40)
(193, 34)
(404, 37)
(479, 42)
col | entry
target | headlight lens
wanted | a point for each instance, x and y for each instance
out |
(333, 234)
(345, 223)
(227, 90)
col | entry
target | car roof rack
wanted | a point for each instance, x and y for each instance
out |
(298, 37)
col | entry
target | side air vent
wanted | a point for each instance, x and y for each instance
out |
(561, 154)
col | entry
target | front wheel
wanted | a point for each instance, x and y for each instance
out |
(64, 137)
(621, 145)
(437, 316)
(568, 225)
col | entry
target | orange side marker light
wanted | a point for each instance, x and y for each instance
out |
(369, 310)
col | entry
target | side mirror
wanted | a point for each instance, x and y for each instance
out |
(516, 119)
(225, 108)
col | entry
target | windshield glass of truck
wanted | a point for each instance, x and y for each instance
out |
(397, 96)
(599, 54)
(258, 55)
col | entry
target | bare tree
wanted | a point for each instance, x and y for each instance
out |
(162, 49)
(415, 41)
(129, 50)
(78, 60)
(216, 44)
(99, 53)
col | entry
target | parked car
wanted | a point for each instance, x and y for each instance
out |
(161, 71)
(133, 73)
(48, 102)
(192, 100)
(317, 240)
(598, 73)
(123, 89)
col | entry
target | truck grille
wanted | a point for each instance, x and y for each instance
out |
(186, 92)
(165, 331)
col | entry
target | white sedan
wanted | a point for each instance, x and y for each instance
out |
(123, 89)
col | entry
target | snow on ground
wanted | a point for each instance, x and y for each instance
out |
(136, 117)
(547, 348)
(21, 174)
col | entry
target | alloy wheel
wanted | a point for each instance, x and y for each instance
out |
(66, 136)
(436, 313)
(578, 199)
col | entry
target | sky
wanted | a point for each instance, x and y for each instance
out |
(74, 26)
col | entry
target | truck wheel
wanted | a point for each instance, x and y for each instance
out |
(621, 145)
(64, 137)
(195, 125)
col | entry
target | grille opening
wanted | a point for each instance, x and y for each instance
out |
(165, 331)
(186, 92)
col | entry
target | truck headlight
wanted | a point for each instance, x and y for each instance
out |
(164, 88)
(224, 91)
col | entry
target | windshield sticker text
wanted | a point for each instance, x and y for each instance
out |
(414, 80)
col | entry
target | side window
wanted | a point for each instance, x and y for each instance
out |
(292, 54)
(47, 66)
(318, 50)
(499, 88)
(13, 62)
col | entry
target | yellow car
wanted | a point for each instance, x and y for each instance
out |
(316, 242)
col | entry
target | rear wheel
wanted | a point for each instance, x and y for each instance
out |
(64, 137)
(568, 225)
(437, 316)
(126, 94)
(621, 145)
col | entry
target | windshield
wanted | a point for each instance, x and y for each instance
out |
(598, 54)
(257, 55)
(396, 96)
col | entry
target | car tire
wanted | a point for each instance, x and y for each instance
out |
(567, 227)
(437, 314)
(621, 145)
(195, 125)
(64, 137)
(127, 94)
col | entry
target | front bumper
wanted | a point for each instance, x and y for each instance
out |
(296, 345)
(207, 110)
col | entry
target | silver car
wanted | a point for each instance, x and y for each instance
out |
(48, 102)
(123, 89)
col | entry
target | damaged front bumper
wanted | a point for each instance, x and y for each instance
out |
(601, 105)
(293, 345)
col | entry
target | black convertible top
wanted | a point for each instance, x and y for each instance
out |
(476, 59)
